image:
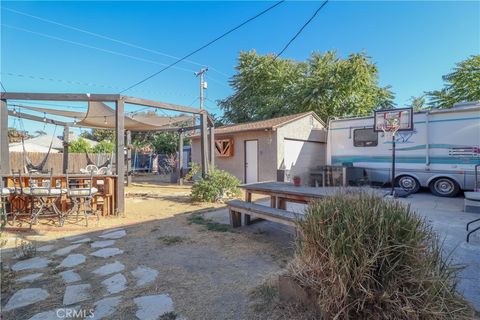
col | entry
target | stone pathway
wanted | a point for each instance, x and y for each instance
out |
(108, 280)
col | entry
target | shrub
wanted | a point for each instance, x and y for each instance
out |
(216, 185)
(195, 169)
(366, 257)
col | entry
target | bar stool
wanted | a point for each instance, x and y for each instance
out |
(17, 196)
(81, 192)
(43, 196)
(4, 195)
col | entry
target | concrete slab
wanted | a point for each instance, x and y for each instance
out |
(144, 275)
(115, 284)
(76, 293)
(29, 278)
(70, 276)
(57, 314)
(114, 234)
(83, 240)
(105, 307)
(153, 307)
(66, 250)
(46, 248)
(102, 243)
(25, 297)
(106, 252)
(72, 260)
(32, 263)
(109, 269)
(112, 230)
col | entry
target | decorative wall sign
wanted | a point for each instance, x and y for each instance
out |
(224, 148)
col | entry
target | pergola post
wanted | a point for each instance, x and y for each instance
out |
(120, 155)
(204, 143)
(66, 133)
(212, 146)
(129, 157)
(4, 153)
(180, 157)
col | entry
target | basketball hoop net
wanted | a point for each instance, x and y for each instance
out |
(391, 122)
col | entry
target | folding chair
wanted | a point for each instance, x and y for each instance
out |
(81, 192)
(43, 196)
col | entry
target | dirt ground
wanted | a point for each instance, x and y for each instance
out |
(209, 274)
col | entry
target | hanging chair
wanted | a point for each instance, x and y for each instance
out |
(90, 162)
(29, 166)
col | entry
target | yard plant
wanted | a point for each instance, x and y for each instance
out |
(215, 186)
(366, 257)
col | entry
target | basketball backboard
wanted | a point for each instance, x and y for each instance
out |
(399, 119)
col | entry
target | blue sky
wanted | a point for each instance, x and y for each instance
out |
(412, 43)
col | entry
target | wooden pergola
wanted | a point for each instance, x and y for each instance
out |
(122, 136)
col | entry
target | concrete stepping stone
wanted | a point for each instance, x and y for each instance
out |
(106, 252)
(116, 283)
(70, 276)
(46, 248)
(82, 240)
(153, 307)
(114, 234)
(109, 269)
(32, 263)
(75, 237)
(111, 230)
(29, 278)
(102, 243)
(72, 260)
(57, 314)
(144, 275)
(105, 307)
(76, 293)
(25, 297)
(66, 250)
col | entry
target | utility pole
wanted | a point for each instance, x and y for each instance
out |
(203, 123)
(203, 85)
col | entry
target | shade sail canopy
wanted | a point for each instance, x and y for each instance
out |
(101, 116)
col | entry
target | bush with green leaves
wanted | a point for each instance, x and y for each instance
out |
(366, 257)
(215, 186)
(195, 170)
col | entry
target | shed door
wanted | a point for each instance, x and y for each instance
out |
(251, 161)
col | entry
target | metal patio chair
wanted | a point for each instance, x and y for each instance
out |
(4, 195)
(81, 192)
(43, 197)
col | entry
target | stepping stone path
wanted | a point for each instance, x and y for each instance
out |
(70, 276)
(32, 263)
(114, 234)
(105, 307)
(66, 250)
(106, 252)
(153, 307)
(72, 260)
(115, 283)
(45, 248)
(25, 297)
(72, 238)
(29, 278)
(82, 240)
(54, 314)
(109, 269)
(144, 275)
(76, 293)
(102, 243)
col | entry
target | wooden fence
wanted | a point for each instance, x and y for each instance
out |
(76, 161)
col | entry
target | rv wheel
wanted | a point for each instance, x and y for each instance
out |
(444, 187)
(408, 183)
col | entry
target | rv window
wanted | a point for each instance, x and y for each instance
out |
(365, 138)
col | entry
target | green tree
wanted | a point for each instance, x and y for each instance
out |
(104, 146)
(166, 142)
(78, 146)
(99, 135)
(462, 85)
(266, 87)
(418, 103)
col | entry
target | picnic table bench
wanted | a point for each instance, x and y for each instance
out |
(239, 207)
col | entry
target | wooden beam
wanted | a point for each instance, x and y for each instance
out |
(160, 105)
(4, 152)
(66, 133)
(180, 158)
(129, 157)
(36, 118)
(60, 96)
(204, 143)
(212, 146)
(119, 155)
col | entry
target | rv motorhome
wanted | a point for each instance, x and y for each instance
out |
(439, 153)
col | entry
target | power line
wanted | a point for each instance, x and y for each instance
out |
(3, 88)
(110, 39)
(204, 46)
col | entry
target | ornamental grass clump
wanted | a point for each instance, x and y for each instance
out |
(366, 257)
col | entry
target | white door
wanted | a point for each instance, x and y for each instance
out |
(251, 161)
